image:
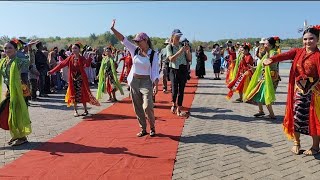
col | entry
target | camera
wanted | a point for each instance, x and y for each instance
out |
(185, 44)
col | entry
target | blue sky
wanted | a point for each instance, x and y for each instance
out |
(205, 20)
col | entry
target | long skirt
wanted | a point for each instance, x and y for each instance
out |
(302, 102)
(77, 82)
(200, 68)
(4, 113)
(258, 93)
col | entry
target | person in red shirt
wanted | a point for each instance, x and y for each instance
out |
(241, 82)
(127, 64)
(302, 113)
(231, 62)
(78, 89)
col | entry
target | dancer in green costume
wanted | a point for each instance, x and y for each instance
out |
(14, 115)
(264, 82)
(108, 80)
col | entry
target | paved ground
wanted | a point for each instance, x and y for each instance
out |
(221, 139)
(50, 117)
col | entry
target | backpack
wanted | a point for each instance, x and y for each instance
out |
(151, 55)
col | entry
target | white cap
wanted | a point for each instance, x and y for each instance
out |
(263, 40)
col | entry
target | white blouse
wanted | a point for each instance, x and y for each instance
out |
(141, 65)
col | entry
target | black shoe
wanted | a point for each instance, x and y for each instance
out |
(142, 133)
(259, 114)
(152, 132)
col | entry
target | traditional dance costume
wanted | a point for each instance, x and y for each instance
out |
(231, 64)
(78, 89)
(264, 82)
(14, 115)
(108, 80)
(303, 101)
(127, 64)
(243, 75)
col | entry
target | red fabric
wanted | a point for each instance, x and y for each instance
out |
(242, 82)
(105, 146)
(298, 55)
(127, 64)
(245, 63)
(314, 125)
(231, 64)
(232, 55)
(109, 87)
(4, 117)
(73, 68)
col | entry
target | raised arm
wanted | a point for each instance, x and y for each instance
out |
(131, 47)
(118, 35)
(60, 65)
(281, 57)
(87, 61)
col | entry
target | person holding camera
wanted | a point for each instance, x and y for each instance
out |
(216, 61)
(185, 42)
(179, 56)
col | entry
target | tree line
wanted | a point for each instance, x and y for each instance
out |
(107, 38)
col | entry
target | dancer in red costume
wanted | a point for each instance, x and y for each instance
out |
(78, 89)
(241, 82)
(303, 101)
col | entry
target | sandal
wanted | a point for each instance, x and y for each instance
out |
(12, 140)
(142, 133)
(76, 114)
(152, 132)
(85, 113)
(311, 152)
(239, 100)
(296, 148)
(182, 114)
(173, 109)
(259, 114)
(20, 141)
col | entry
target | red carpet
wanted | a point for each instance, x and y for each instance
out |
(105, 146)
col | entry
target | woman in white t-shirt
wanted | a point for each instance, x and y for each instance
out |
(143, 77)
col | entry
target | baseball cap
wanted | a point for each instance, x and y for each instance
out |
(167, 41)
(141, 36)
(177, 32)
(185, 40)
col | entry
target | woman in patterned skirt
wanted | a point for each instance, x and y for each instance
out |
(303, 101)
(78, 90)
